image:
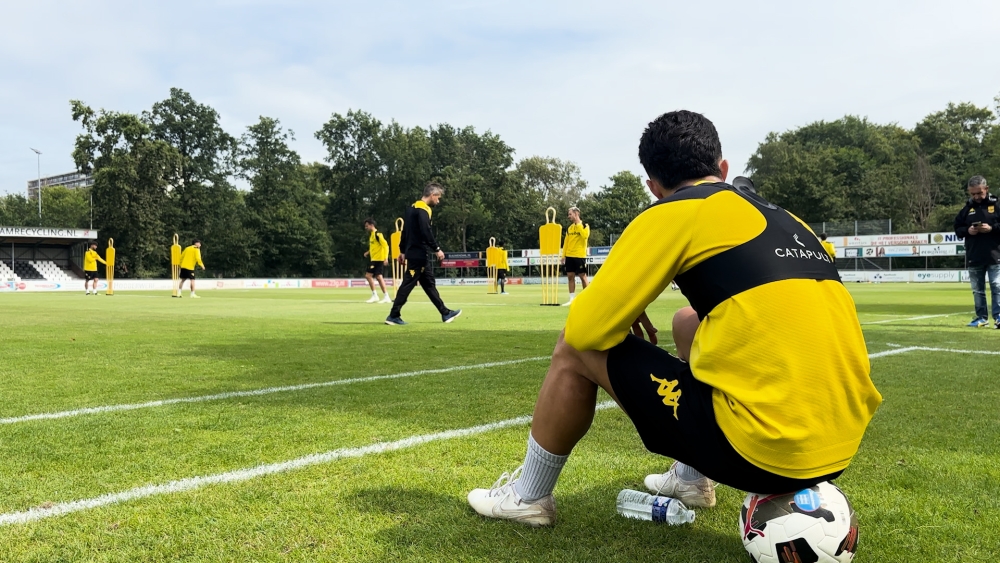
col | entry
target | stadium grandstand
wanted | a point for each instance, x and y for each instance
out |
(42, 253)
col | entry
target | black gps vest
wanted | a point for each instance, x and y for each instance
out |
(785, 250)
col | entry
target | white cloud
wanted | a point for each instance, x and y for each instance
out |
(575, 80)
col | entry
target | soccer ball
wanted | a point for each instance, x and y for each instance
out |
(814, 525)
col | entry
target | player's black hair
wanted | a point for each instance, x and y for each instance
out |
(678, 146)
(370, 221)
(822, 236)
(92, 243)
(196, 241)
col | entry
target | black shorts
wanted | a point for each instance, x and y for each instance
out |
(88, 275)
(576, 265)
(375, 268)
(673, 413)
(187, 274)
(501, 274)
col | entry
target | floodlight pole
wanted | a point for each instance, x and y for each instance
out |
(38, 155)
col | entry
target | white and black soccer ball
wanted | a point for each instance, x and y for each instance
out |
(814, 525)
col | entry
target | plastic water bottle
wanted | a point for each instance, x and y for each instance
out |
(643, 506)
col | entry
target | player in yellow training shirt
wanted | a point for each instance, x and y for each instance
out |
(828, 246)
(770, 389)
(378, 256)
(502, 269)
(575, 251)
(90, 260)
(189, 259)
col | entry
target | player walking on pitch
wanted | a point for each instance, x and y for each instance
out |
(575, 252)
(378, 256)
(415, 243)
(90, 260)
(770, 389)
(190, 257)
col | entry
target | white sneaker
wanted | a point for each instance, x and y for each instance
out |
(501, 501)
(568, 303)
(372, 299)
(385, 299)
(195, 296)
(700, 493)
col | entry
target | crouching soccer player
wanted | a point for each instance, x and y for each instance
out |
(770, 389)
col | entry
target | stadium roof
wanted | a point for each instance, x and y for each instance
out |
(45, 235)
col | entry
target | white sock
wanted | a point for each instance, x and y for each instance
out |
(539, 472)
(687, 473)
(571, 295)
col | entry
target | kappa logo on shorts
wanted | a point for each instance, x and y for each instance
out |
(671, 398)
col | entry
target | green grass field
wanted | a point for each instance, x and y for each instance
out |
(925, 483)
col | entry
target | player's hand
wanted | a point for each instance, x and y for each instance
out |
(985, 228)
(641, 323)
(366, 255)
(973, 230)
(401, 258)
(385, 262)
(440, 255)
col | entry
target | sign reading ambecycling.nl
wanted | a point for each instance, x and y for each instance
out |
(47, 232)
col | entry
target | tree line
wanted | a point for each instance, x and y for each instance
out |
(853, 169)
(174, 169)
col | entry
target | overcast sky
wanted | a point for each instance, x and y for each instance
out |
(573, 80)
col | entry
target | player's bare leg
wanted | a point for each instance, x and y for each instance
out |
(564, 412)
(371, 286)
(571, 281)
(583, 282)
(385, 292)
(191, 285)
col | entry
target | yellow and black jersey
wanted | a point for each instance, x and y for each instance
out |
(502, 260)
(830, 249)
(190, 257)
(90, 260)
(378, 248)
(575, 245)
(779, 339)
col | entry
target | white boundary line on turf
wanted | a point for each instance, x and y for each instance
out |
(256, 392)
(911, 319)
(192, 483)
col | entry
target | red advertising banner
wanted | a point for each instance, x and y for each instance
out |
(460, 263)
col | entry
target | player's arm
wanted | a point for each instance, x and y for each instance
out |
(99, 259)
(602, 316)
(197, 257)
(384, 244)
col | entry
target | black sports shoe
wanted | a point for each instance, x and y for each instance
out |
(451, 315)
(395, 321)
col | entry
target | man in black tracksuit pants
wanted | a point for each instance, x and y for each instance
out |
(415, 242)
(979, 224)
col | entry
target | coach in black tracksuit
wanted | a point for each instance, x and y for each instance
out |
(414, 244)
(979, 224)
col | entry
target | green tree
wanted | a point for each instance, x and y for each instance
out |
(64, 207)
(614, 206)
(557, 181)
(17, 211)
(202, 202)
(285, 203)
(132, 173)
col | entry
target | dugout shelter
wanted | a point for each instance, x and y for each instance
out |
(43, 253)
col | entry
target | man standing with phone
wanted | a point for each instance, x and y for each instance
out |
(979, 224)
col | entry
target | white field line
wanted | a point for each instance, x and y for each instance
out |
(911, 319)
(893, 352)
(192, 483)
(256, 392)
(956, 350)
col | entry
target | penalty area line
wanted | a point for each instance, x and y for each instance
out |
(911, 319)
(192, 483)
(256, 392)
